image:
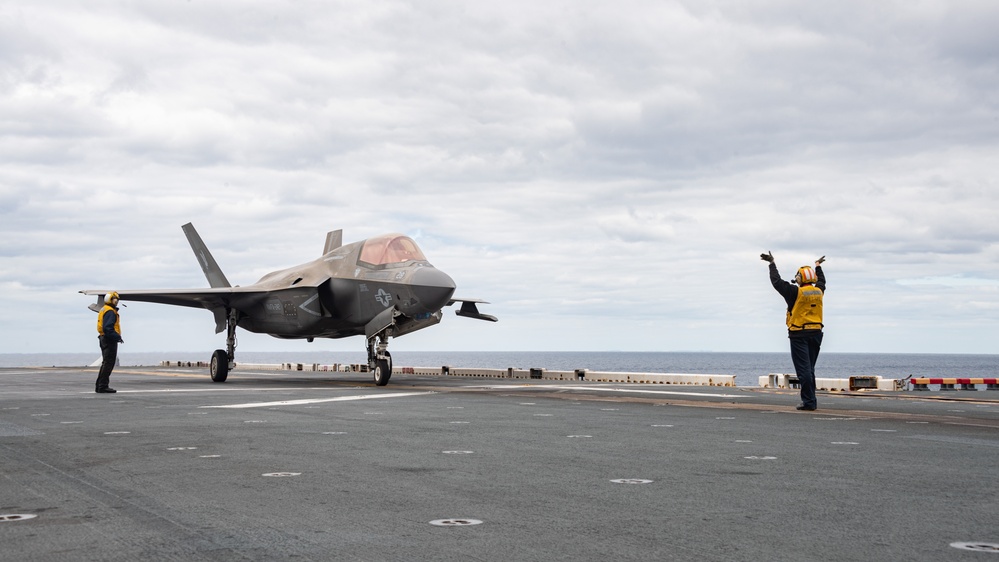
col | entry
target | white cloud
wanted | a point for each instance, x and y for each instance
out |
(605, 174)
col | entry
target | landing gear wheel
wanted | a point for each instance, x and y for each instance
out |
(383, 370)
(219, 368)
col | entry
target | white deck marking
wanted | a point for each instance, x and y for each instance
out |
(226, 389)
(602, 389)
(321, 400)
(632, 481)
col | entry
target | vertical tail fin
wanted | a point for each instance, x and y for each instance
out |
(334, 239)
(212, 270)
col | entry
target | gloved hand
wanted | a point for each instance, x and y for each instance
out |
(820, 260)
(767, 257)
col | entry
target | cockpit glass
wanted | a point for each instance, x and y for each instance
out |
(390, 249)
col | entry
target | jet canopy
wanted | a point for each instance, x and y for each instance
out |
(390, 249)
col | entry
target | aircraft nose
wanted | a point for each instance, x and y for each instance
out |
(432, 287)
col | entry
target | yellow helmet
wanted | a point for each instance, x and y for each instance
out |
(805, 275)
(113, 295)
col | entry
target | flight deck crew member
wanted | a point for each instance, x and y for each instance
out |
(109, 336)
(804, 321)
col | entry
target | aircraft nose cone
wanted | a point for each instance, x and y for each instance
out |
(432, 287)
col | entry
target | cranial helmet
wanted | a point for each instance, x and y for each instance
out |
(805, 275)
(112, 295)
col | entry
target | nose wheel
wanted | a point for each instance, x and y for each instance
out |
(383, 370)
(379, 359)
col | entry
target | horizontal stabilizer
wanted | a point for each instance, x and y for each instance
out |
(97, 306)
(469, 310)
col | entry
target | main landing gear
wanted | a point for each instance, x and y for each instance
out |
(224, 359)
(379, 359)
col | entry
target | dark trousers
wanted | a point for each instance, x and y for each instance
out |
(804, 353)
(109, 353)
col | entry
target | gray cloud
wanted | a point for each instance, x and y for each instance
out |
(606, 175)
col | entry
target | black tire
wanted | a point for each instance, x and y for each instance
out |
(219, 367)
(383, 370)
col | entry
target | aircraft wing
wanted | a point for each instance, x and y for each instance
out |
(195, 298)
(469, 310)
(216, 300)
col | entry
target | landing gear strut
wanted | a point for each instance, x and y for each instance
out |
(225, 359)
(379, 359)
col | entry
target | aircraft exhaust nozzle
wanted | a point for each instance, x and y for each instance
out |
(432, 287)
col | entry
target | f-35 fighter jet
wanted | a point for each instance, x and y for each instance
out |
(381, 287)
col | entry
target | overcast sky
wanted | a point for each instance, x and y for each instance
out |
(605, 173)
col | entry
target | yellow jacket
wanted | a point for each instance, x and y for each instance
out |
(806, 314)
(108, 322)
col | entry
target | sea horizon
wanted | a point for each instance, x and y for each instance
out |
(746, 366)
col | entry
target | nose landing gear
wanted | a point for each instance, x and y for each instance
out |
(379, 359)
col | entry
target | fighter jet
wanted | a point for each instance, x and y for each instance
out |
(381, 287)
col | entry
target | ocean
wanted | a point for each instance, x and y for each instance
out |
(747, 367)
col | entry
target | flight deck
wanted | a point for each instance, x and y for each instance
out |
(277, 465)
